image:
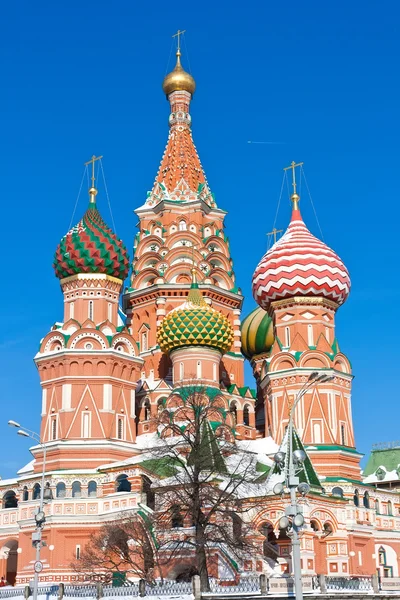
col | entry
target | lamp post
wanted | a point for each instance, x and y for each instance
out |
(292, 465)
(39, 516)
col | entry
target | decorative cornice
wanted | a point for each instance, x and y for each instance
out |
(304, 300)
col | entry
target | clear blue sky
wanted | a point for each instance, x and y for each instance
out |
(321, 78)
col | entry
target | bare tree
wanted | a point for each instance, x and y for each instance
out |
(121, 546)
(212, 476)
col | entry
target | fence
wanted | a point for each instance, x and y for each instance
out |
(251, 586)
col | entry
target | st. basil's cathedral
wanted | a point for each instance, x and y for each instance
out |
(119, 356)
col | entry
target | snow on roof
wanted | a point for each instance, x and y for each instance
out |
(6, 482)
(27, 468)
(384, 475)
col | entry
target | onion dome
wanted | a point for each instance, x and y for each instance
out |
(91, 247)
(194, 323)
(178, 79)
(257, 333)
(299, 264)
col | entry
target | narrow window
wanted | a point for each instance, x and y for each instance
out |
(71, 310)
(92, 489)
(377, 510)
(343, 434)
(120, 428)
(198, 371)
(90, 312)
(366, 500)
(389, 509)
(109, 310)
(76, 489)
(287, 336)
(182, 225)
(86, 425)
(176, 517)
(310, 332)
(317, 433)
(246, 416)
(54, 428)
(144, 341)
(356, 498)
(327, 334)
(36, 492)
(77, 552)
(60, 490)
(181, 370)
(233, 411)
(25, 495)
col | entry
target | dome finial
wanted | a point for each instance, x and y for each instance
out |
(195, 296)
(93, 190)
(295, 198)
(178, 79)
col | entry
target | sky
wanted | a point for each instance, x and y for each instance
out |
(315, 81)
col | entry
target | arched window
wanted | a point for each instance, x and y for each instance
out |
(122, 484)
(328, 529)
(270, 546)
(337, 491)
(60, 490)
(36, 492)
(366, 500)
(287, 336)
(71, 310)
(92, 489)
(76, 489)
(160, 405)
(233, 411)
(25, 494)
(246, 416)
(10, 500)
(148, 492)
(237, 529)
(377, 507)
(146, 410)
(389, 508)
(176, 516)
(356, 498)
(314, 525)
(182, 225)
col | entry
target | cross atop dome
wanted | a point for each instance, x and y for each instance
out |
(295, 198)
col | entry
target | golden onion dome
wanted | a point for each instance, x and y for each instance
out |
(178, 80)
(195, 324)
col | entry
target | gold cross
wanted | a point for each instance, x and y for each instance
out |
(274, 232)
(293, 166)
(93, 160)
(178, 34)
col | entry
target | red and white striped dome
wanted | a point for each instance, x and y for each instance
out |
(299, 264)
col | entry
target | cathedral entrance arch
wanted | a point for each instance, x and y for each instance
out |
(9, 555)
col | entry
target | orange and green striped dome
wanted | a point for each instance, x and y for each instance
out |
(257, 333)
(91, 247)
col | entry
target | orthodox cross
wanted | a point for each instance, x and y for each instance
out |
(293, 166)
(178, 35)
(93, 160)
(274, 232)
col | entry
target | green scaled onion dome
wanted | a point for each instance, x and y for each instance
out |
(194, 323)
(257, 333)
(91, 247)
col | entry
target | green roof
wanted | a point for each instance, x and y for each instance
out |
(388, 458)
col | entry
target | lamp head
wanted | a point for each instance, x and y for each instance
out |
(299, 456)
(278, 489)
(279, 458)
(313, 376)
(13, 423)
(298, 520)
(284, 523)
(303, 488)
(23, 433)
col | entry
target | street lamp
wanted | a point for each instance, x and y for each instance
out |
(292, 464)
(45, 494)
